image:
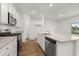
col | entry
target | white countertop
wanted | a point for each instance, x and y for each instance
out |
(62, 37)
(75, 37)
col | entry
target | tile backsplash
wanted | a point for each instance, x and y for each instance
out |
(12, 28)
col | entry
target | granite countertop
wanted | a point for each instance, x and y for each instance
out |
(9, 34)
(61, 37)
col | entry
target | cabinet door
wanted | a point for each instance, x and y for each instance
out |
(65, 48)
(12, 48)
(15, 47)
(77, 47)
(4, 13)
(4, 51)
(41, 41)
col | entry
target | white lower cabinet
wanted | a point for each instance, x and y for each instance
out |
(77, 48)
(65, 49)
(10, 49)
(3, 51)
(70, 48)
(41, 41)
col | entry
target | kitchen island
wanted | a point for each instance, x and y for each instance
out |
(61, 45)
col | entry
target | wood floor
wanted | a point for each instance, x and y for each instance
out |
(31, 48)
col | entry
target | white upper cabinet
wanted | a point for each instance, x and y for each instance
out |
(8, 7)
(4, 13)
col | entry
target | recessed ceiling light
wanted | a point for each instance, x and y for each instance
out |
(61, 15)
(51, 5)
(33, 11)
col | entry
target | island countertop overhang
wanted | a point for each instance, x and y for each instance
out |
(61, 37)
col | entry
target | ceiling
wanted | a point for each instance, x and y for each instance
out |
(66, 9)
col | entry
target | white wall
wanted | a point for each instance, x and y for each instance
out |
(46, 25)
(35, 27)
(65, 25)
(51, 26)
(61, 26)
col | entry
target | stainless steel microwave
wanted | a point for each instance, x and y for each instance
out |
(11, 20)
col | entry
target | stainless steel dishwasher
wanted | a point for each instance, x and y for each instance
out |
(50, 47)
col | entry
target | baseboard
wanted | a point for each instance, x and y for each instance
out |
(41, 49)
